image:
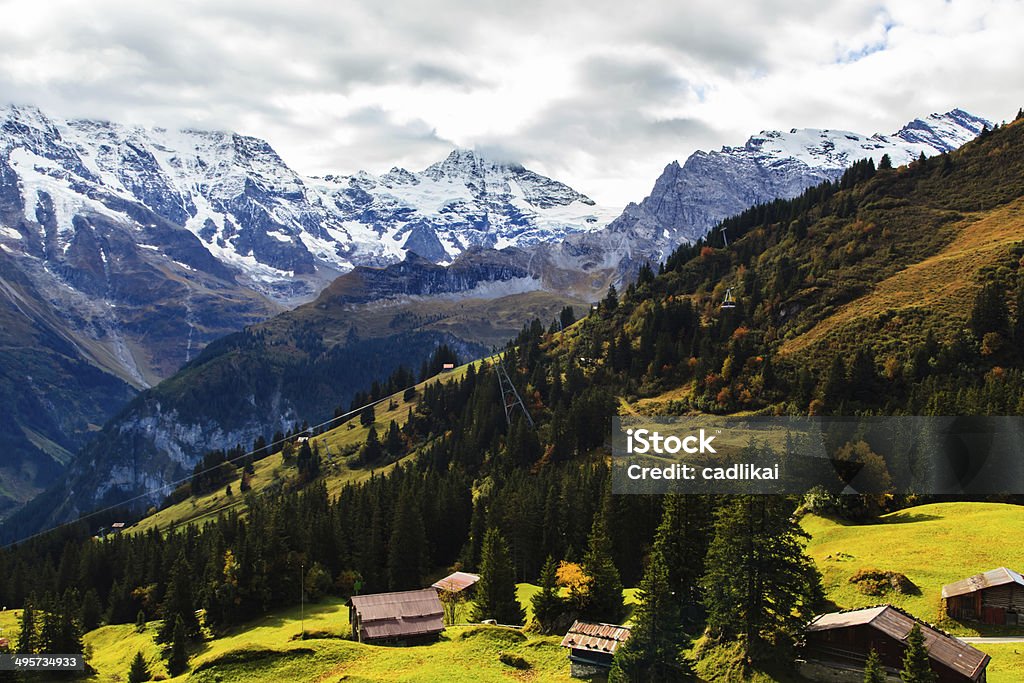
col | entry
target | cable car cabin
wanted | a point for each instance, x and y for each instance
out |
(728, 301)
(994, 597)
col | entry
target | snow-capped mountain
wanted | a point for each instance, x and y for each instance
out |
(462, 202)
(690, 199)
(286, 236)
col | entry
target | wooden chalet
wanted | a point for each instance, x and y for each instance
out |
(840, 642)
(592, 646)
(994, 597)
(403, 617)
(458, 582)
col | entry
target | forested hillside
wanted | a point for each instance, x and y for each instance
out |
(893, 290)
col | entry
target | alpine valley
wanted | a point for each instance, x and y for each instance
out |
(126, 252)
(894, 290)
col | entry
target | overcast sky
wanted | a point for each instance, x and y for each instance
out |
(598, 94)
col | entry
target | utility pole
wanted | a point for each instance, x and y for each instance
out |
(302, 599)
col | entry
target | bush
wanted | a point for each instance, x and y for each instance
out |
(878, 582)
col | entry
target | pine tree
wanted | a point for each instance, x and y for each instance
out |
(862, 376)
(178, 661)
(179, 601)
(139, 670)
(652, 652)
(760, 587)
(611, 301)
(873, 672)
(367, 417)
(59, 631)
(496, 589)
(567, 317)
(989, 312)
(885, 163)
(548, 605)
(682, 540)
(407, 550)
(916, 666)
(393, 443)
(28, 642)
(1018, 321)
(833, 390)
(372, 449)
(605, 601)
(91, 612)
(140, 622)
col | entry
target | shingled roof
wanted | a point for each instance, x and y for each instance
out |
(399, 615)
(942, 647)
(456, 582)
(989, 579)
(595, 637)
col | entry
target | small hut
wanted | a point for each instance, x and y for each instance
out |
(458, 582)
(402, 617)
(838, 644)
(592, 646)
(994, 597)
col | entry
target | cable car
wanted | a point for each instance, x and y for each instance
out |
(728, 301)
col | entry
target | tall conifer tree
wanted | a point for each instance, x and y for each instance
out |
(496, 590)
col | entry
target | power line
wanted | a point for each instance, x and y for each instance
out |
(170, 485)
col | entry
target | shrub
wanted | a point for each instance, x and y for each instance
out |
(879, 582)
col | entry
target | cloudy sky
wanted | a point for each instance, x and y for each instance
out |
(600, 94)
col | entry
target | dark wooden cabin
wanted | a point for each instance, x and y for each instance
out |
(843, 640)
(592, 646)
(995, 597)
(402, 617)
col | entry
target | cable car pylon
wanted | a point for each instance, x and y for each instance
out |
(728, 301)
(510, 397)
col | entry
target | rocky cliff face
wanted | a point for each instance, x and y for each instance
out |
(688, 200)
(125, 250)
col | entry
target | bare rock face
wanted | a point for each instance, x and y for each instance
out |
(690, 199)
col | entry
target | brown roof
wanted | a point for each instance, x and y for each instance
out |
(394, 615)
(942, 647)
(457, 581)
(595, 637)
(995, 577)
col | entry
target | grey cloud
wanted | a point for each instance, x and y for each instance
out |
(629, 87)
(646, 80)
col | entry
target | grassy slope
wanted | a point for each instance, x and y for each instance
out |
(333, 444)
(939, 287)
(1007, 665)
(932, 544)
(265, 650)
(922, 542)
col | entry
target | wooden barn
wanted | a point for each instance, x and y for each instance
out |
(592, 646)
(458, 582)
(404, 617)
(837, 646)
(995, 597)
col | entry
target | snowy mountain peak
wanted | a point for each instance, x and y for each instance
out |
(688, 200)
(833, 150)
(284, 234)
(944, 132)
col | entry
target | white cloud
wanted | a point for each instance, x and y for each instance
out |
(600, 94)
